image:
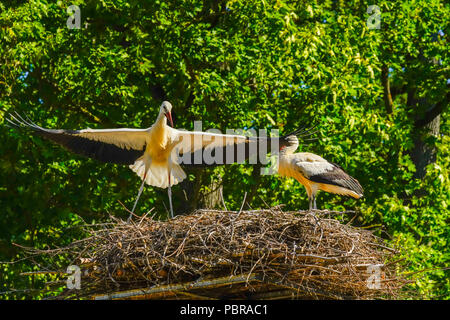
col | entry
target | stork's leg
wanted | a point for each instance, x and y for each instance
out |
(169, 192)
(138, 196)
(314, 199)
(310, 203)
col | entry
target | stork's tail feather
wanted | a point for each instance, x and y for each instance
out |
(177, 174)
(340, 190)
(157, 175)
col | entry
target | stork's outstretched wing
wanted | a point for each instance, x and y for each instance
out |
(196, 148)
(121, 146)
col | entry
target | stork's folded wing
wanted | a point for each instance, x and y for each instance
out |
(121, 146)
(328, 173)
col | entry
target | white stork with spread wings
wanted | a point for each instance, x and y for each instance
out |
(315, 173)
(155, 153)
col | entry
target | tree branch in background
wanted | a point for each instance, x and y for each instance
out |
(386, 88)
(432, 112)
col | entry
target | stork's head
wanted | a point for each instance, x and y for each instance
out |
(289, 144)
(166, 110)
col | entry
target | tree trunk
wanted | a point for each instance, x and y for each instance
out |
(188, 196)
(386, 89)
(424, 152)
(212, 199)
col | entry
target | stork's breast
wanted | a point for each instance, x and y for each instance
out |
(290, 169)
(286, 169)
(158, 154)
(159, 148)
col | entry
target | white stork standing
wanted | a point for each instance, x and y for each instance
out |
(153, 153)
(315, 173)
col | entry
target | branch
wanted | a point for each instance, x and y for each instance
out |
(433, 112)
(386, 87)
(397, 90)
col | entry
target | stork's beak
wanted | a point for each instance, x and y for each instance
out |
(169, 117)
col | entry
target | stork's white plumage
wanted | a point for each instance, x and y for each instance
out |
(315, 173)
(155, 153)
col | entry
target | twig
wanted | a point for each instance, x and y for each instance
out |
(223, 200)
(243, 202)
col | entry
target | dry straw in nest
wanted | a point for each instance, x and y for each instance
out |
(274, 253)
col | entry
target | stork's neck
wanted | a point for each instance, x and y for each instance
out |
(288, 150)
(159, 132)
(161, 121)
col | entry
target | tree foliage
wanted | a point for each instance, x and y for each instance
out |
(378, 96)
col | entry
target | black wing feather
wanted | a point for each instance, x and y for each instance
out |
(69, 139)
(338, 177)
(248, 151)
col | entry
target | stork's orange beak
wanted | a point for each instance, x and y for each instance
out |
(169, 117)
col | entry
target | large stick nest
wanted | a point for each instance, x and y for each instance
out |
(273, 253)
